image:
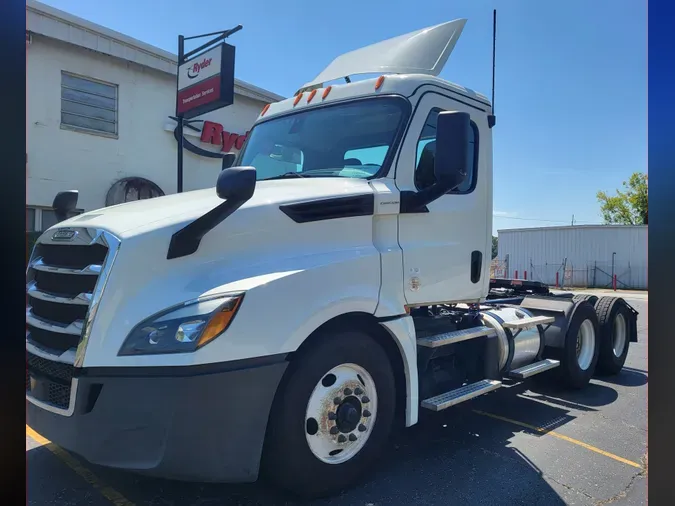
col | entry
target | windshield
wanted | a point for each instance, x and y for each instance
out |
(344, 140)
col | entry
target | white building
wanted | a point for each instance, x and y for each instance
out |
(98, 108)
(580, 255)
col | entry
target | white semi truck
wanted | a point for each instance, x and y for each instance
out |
(334, 283)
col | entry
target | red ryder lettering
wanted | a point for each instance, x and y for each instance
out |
(213, 133)
(194, 70)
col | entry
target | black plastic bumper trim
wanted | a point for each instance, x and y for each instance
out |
(181, 371)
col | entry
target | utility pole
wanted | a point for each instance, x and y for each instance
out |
(572, 220)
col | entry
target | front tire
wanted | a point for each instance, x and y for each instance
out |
(332, 415)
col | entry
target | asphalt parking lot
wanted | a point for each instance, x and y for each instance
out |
(531, 444)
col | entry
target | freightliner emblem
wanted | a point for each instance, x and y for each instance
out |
(64, 235)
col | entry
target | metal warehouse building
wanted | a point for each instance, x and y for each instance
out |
(576, 256)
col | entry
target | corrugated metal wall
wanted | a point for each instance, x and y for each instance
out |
(580, 255)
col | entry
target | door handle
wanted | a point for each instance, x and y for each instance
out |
(476, 266)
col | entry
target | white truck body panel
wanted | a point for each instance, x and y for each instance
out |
(423, 51)
(235, 256)
(437, 246)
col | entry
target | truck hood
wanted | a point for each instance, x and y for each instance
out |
(132, 218)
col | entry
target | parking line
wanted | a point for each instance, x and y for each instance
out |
(106, 491)
(560, 436)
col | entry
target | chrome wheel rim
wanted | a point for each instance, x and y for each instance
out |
(619, 341)
(341, 413)
(585, 344)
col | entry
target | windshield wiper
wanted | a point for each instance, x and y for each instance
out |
(284, 175)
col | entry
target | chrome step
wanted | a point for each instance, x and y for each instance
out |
(455, 336)
(528, 323)
(460, 394)
(532, 369)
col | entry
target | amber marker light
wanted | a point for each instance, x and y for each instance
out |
(219, 322)
(379, 82)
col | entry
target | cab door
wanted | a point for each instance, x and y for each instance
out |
(447, 250)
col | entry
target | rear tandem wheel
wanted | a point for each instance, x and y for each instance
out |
(614, 318)
(593, 299)
(581, 349)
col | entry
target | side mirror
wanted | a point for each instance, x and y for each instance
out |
(453, 136)
(228, 160)
(65, 203)
(236, 183)
(235, 186)
(451, 154)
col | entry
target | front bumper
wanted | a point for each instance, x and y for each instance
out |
(187, 423)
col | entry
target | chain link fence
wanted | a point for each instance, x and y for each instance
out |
(565, 274)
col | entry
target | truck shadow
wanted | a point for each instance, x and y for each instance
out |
(628, 377)
(459, 456)
(588, 399)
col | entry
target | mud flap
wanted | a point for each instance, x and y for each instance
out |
(633, 323)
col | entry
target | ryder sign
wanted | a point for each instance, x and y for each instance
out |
(206, 82)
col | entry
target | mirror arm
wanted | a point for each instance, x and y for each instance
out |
(235, 186)
(416, 202)
(186, 240)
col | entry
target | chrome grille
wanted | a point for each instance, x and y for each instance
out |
(64, 282)
(61, 282)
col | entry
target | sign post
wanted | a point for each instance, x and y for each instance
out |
(204, 83)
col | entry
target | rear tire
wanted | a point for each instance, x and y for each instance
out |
(302, 454)
(593, 299)
(614, 319)
(579, 355)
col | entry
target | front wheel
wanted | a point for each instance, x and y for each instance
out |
(332, 415)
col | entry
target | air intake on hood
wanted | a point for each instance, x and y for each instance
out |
(330, 208)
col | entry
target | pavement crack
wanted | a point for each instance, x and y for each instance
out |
(624, 492)
(523, 462)
(568, 487)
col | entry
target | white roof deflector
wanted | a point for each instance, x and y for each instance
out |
(424, 51)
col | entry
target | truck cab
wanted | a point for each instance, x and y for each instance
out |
(335, 281)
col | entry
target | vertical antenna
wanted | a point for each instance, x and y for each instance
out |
(494, 44)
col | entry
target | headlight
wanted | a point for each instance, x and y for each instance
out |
(184, 328)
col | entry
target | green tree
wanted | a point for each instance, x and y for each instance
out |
(627, 207)
(495, 248)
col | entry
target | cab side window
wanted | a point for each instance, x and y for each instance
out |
(426, 149)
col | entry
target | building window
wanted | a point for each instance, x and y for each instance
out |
(88, 105)
(39, 219)
(426, 149)
(30, 219)
(48, 218)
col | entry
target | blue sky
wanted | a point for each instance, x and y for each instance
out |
(571, 84)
